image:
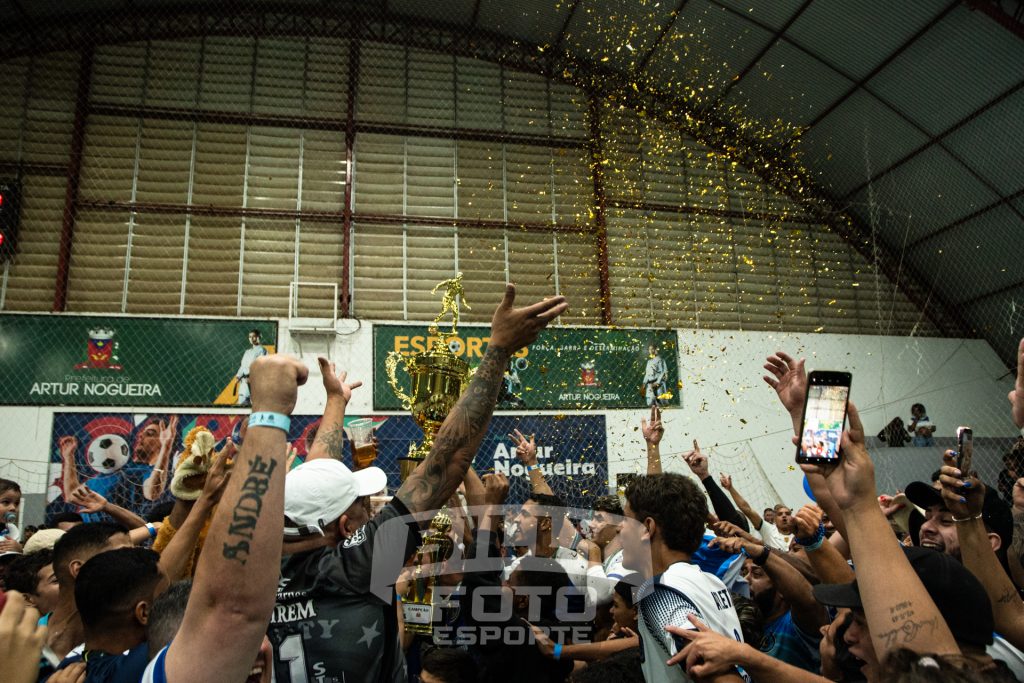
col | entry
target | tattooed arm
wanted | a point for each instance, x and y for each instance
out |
(898, 609)
(437, 477)
(235, 583)
(330, 435)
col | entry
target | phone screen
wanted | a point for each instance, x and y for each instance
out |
(824, 416)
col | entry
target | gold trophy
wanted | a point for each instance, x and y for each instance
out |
(418, 605)
(438, 377)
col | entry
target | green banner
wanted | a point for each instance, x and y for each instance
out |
(127, 361)
(565, 369)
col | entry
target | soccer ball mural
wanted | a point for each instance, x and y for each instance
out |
(107, 453)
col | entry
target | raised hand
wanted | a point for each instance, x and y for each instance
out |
(964, 494)
(168, 431)
(890, 505)
(1017, 395)
(526, 451)
(653, 430)
(21, 639)
(87, 500)
(852, 481)
(789, 380)
(736, 545)
(274, 382)
(67, 445)
(513, 328)
(334, 382)
(697, 461)
(723, 528)
(218, 475)
(725, 480)
(495, 489)
(807, 520)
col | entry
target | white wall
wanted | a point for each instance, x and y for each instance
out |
(726, 405)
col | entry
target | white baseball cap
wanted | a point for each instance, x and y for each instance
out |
(318, 492)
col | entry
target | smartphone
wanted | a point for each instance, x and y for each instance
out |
(964, 449)
(828, 394)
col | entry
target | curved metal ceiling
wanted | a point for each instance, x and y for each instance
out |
(910, 112)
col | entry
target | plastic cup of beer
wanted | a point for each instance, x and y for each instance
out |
(364, 451)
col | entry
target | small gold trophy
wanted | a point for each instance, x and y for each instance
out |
(438, 376)
(418, 604)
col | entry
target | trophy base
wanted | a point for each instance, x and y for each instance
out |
(416, 455)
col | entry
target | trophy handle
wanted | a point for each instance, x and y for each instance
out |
(391, 365)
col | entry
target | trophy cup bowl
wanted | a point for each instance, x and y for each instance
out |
(438, 379)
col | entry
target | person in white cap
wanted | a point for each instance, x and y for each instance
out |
(335, 617)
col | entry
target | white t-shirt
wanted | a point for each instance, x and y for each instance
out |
(667, 599)
(773, 538)
(613, 568)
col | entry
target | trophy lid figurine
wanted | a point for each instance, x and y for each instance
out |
(438, 376)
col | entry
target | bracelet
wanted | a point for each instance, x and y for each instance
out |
(763, 557)
(152, 529)
(558, 651)
(813, 546)
(275, 420)
(532, 468)
(967, 519)
(814, 542)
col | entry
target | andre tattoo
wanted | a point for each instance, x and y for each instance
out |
(246, 512)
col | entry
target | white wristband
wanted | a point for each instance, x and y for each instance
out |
(275, 420)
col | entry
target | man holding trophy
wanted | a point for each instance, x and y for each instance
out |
(328, 624)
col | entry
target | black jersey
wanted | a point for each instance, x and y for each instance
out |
(331, 623)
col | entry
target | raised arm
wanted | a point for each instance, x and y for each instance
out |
(91, 502)
(808, 614)
(788, 377)
(1017, 395)
(68, 446)
(742, 504)
(724, 508)
(976, 550)
(652, 432)
(526, 451)
(825, 559)
(236, 581)
(154, 485)
(330, 435)
(434, 480)
(899, 611)
(182, 547)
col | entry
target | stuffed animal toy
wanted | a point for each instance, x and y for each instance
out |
(195, 462)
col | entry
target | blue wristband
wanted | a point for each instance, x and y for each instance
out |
(558, 651)
(814, 542)
(275, 420)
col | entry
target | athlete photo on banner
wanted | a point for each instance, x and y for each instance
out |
(139, 361)
(129, 459)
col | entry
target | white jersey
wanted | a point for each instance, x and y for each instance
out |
(572, 561)
(667, 599)
(248, 358)
(613, 568)
(773, 538)
(155, 672)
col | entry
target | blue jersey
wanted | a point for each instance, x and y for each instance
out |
(784, 641)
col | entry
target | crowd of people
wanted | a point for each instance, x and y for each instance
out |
(294, 575)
